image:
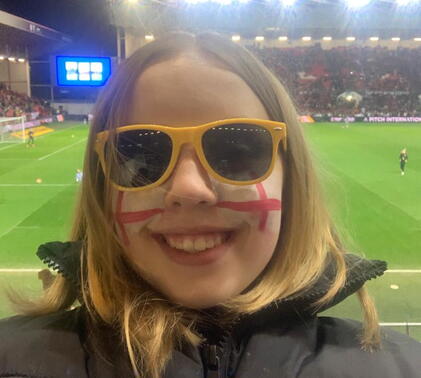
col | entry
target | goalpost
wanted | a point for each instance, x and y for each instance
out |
(12, 130)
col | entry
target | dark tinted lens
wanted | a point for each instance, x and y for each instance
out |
(239, 152)
(142, 156)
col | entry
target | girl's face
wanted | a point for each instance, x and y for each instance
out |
(196, 253)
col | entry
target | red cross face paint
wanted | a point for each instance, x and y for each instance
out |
(263, 205)
(196, 240)
(185, 249)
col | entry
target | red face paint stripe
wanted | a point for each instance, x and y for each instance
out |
(138, 216)
(252, 206)
(259, 205)
(264, 214)
(261, 190)
(264, 205)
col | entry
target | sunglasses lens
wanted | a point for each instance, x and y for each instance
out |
(142, 156)
(239, 152)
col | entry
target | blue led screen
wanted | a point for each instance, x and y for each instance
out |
(82, 71)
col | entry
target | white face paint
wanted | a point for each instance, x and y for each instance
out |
(190, 211)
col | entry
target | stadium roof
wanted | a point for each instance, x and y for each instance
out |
(271, 18)
(19, 36)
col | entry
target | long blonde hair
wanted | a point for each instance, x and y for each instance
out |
(150, 326)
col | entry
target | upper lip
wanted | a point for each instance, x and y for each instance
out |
(192, 230)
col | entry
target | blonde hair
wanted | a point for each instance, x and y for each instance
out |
(150, 326)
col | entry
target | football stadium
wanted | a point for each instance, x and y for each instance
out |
(354, 73)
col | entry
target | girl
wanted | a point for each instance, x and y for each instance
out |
(201, 246)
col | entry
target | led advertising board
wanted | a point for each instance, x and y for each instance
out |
(82, 70)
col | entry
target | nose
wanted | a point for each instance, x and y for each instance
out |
(189, 184)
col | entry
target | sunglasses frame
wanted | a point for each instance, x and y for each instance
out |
(193, 134)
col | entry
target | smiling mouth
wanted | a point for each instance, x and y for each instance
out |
(195, 243)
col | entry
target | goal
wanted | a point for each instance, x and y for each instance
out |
(12, 129)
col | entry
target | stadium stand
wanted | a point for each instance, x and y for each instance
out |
(13, 104)
(389, 81)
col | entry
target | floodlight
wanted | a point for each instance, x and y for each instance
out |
(260, 38)
(395, 39)
(11, 59)
(306, 38)
(402, 3)
(327, 38)
(149, 37)
(357, 3)
(374, 39)
(283, 38)
(417, 39)
(132, 1)
(21, 60)
(2, 57)
(235, 38)
(350, 39)
(288, 3)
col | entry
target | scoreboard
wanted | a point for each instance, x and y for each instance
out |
(82, 71)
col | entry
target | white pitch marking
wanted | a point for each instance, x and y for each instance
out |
(62, 149)
(41, 136)
(12, 145)
(10, 229)
(403, 271)
(33, 270)
(400, 324)
(30, 185)
(20, 270)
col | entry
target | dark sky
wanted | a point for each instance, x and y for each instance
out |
(85, 21)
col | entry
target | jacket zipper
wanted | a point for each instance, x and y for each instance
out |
(211, 361)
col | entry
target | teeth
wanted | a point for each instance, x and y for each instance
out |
(200, 244)
(195, 243)
(188, 245)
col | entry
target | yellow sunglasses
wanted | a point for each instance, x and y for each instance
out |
(237, 151)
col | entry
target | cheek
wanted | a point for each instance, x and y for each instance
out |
(128, 216)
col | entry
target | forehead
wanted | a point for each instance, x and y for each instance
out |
(190, 90)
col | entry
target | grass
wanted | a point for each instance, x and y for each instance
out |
(376, 209)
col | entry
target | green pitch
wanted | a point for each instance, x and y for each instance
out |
(377, 210)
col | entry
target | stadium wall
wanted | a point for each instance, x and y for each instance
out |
(15, 75)
(77, 109)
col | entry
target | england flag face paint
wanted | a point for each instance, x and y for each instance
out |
(261, 206)
(195, 252)
(196, 240)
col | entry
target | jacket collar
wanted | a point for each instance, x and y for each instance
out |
(64, 258)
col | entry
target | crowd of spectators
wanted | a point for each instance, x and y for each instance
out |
(14, 104)
(388, 81)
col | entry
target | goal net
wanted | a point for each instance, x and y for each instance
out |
(12, 129)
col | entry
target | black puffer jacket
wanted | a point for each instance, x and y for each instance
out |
(283, 340)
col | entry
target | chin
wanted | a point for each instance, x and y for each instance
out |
(200, 302)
